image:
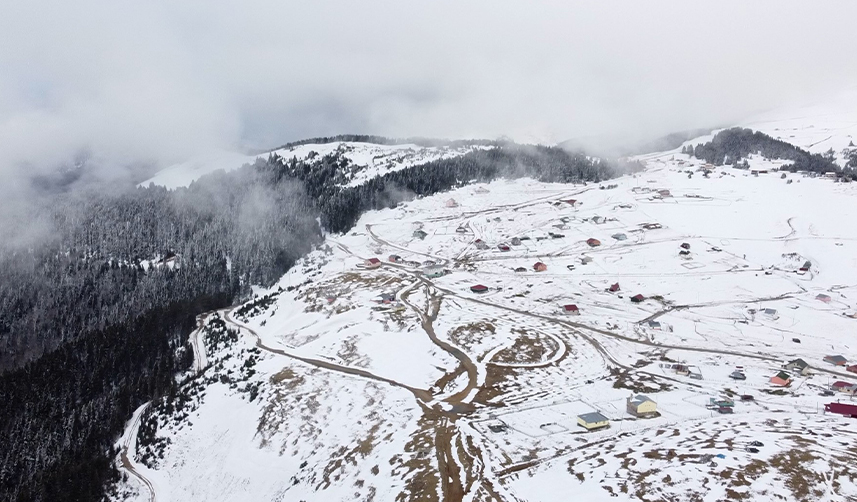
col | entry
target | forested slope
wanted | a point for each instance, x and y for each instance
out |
(95, 312)
(730, 146)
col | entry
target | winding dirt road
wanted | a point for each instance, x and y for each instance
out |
(421, 394)
(129, 447)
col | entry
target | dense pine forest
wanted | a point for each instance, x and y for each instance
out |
(96, 307)
(730, 146)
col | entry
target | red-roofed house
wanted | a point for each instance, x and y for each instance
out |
(614, 288)
(540, 267)
(840, 386)
(571, 309)
(852, 368)
(372, 263)
(849, 410)
(638, 298)
(479, 288)
(593, 242)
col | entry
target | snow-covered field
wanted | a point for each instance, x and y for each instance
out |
(382, 383)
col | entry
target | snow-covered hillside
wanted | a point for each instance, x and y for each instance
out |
(366, 160)
(394, 380)
(817, 128)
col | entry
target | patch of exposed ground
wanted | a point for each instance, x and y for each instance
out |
(637, 382)
(468, 335)
(530, 347)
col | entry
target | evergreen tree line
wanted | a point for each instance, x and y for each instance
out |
(110, 257)
(341, 207)
(63, 413)
(99, 290)
(730, 146)
(381, 140)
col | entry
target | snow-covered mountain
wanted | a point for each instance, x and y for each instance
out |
(456, 347)
(817, 128)
(821, 127)
(366, 160)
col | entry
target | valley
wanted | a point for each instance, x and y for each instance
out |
(394, 379)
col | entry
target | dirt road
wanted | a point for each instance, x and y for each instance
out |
(421, 394)
(129, 447)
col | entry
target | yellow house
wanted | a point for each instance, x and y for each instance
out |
(641, 406)
(592, 420)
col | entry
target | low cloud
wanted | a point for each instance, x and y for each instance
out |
(154, 83)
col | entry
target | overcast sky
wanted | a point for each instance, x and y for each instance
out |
(164, 80)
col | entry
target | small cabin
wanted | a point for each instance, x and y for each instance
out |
(613, 288)
(685, 245)
(823, 298)
(593, 242)
(798, 366)
(461, 230)
(835, 360)
(641, 406)
(419, 234)
(480, 244)
(504, 247)
(848, 410)
(638, 298)
(433, 271)
(781, 379)
(372, 263)
(394, 258)
(846, 387)
(479, 288)
(540, 267)
(620, 237)
(593, 420)
(451, 203)
(737, 375)
(570, 309)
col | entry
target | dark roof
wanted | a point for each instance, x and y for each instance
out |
(593, 417)
(638, 298)
(614, 287)
(478, 287)
(841, 385)
(374, 260)
(570, 307)
(837, 358)
(799, 363)
(782, 375)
